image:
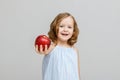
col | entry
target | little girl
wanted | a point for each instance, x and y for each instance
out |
(61, 60)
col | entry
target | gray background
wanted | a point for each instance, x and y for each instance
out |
(99, 40)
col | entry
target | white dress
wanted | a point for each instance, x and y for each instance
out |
(60, 64)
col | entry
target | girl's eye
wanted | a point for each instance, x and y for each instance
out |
(61, 26)
(69, 27)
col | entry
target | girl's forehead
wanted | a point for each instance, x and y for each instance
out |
(67, 20)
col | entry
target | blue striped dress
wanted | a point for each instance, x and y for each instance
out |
(60, 64)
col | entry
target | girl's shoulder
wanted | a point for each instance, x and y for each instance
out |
(76, 49)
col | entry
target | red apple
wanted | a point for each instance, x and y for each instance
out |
(42, 40)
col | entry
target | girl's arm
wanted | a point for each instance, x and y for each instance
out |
(78, 62)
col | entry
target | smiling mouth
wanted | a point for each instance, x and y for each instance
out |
(64, 34)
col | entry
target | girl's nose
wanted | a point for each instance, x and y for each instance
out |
(65, 29)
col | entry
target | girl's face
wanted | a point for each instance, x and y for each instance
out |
(65, 30)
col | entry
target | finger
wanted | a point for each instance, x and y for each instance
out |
(41, 49)
(36, 48)
(45, 47)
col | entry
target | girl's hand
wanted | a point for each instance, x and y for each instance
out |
(46, 51)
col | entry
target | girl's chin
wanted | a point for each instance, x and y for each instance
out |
(63, 40)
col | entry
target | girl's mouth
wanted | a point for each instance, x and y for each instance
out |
(64, 34)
